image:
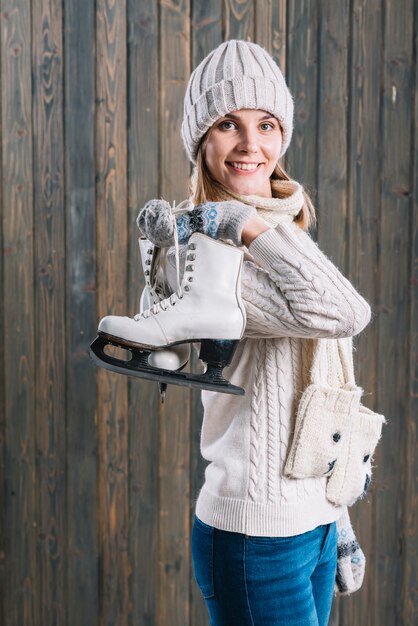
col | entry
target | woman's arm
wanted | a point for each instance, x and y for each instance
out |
(293, 290)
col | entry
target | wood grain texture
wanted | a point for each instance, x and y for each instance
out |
(50, 311)
(174, 423)
(143, 181)
(332, 139)
(83, 571)
(270, 29)
(365, 45)
(302, 72)
(18, 554)
(206, 25)
(410, 561)
(239, 19)
(112, 402)
(393, 314)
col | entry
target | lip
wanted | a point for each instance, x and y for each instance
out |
(244, 172)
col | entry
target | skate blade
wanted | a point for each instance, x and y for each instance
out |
(137, 367)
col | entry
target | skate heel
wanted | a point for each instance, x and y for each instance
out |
(217, 352)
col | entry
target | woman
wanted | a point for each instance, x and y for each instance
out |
(264, 545)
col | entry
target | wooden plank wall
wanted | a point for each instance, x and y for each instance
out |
(98, 479)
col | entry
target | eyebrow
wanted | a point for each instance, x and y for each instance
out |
(237, 118)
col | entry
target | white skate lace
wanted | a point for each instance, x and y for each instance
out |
(163, 305)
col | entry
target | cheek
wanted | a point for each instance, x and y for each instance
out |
(274, 149)
(213, 156)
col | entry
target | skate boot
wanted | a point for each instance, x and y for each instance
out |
(206, 308)
(177, 357)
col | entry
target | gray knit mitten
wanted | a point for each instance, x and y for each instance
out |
(351, 562)
(219, 220)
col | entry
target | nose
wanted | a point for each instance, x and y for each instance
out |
(248, 141)
(367, 483)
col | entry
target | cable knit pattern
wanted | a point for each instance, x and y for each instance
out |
(293, 296)
(257, 434)
(273, 452)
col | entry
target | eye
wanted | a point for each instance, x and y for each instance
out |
(267, 126)
(224, 125)
(336, 436)
(366, 458)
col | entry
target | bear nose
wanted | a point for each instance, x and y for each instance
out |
(367, 483)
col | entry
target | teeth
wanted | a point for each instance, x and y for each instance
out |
(245, 166)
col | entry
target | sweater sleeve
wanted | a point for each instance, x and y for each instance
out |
(292, 289)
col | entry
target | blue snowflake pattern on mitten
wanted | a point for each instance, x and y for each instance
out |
(202, 219)
(209, 217)
(183, 228)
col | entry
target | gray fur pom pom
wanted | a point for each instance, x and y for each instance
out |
(155, 223)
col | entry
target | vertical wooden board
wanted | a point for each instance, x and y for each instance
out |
(239, 19)
(206, 25)
(50, 310)
(143, 184)
(270, 29)
(393, 311)
(332, 130)
(362, 231)
(18, 558)
(174, 459)
(206, 35)
(82, 572)
(111, 212)
(331, 153)
(410, 560)
(302, 72)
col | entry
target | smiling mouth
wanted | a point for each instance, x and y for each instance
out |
(243, 167)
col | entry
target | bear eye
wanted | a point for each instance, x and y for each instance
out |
(336, 436)
(366, 458)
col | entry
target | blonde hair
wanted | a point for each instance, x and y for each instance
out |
(206, 189)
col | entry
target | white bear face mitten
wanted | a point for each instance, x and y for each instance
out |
(322, 429)
(352, 474)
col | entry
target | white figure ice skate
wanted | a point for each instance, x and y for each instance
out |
(206, 308)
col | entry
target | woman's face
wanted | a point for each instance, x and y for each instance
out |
(242, 150)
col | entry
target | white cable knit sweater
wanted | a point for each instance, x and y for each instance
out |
(292, 292)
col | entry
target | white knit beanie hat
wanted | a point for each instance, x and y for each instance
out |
(236, 75)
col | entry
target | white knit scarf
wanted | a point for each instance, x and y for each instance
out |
(284, 205)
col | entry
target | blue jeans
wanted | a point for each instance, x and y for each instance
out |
(265, 581)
